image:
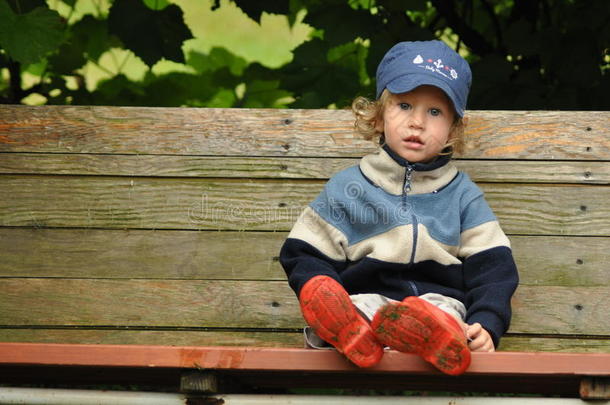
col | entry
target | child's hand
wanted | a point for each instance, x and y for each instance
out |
(479, 339)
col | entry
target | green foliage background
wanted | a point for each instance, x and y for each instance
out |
(525, 54)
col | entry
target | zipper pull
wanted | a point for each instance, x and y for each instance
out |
(408, 173)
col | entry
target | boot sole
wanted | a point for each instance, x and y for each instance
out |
(335, 320)
(411, 329)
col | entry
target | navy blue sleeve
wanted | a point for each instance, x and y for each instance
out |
(301, 262)
(491, 278)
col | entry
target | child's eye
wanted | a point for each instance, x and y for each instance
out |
(404, 106)
(435, 112)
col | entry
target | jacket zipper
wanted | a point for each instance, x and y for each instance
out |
(405, 190)
(406, 187)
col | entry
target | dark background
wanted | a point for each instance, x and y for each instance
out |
(525, 54)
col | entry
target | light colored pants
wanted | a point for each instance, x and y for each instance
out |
(369, 304)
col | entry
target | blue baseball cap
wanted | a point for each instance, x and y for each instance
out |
(408, 65)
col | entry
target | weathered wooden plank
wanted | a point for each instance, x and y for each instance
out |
(182, 303)
(189, 131)
(151, 203)
(217, 337)
(513, 171)
(550, 210)
(93, 253)
(524, 171)
(198, 131)
(554, 344)
(261, 339)
(140, 254)
(561, 310)
(537, 135)
(231, 204)
(173, 166)
(251, 304)
(561, 261)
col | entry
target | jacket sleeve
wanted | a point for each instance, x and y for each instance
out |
(313, 248)
(490, 273)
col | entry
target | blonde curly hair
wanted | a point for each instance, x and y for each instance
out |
(369, 115)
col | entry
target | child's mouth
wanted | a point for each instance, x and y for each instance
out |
(414, 142)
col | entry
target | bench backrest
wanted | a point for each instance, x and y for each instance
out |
(163, 225)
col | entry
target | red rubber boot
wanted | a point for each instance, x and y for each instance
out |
(416, 326)
(327, 308)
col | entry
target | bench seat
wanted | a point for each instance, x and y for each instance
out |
(566, 374)
(151, 236)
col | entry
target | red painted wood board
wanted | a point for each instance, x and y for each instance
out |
(289, 359)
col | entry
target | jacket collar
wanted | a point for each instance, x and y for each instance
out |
(389, 171)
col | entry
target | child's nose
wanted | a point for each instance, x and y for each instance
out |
(416, 119)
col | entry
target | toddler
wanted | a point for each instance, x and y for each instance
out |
(402, 250)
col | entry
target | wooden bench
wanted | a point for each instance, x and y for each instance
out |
(140, 243)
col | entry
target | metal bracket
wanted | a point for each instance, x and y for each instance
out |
(204, 382)
(595, 388)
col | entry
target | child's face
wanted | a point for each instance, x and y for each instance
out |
(418, 124)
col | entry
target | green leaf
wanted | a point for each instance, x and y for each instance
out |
(181, 89)
(88, 40)
(364, 4)
(91, 36)
(263, 89)
(28, 37)
(36, 69)
(351, 56)
(150, 34)
(216, 59)
(223, 99)
(254, 9)
(156, 4)
(119, 90)
(68, 59)
(172, 89)
(264, 94)
(319, 82)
